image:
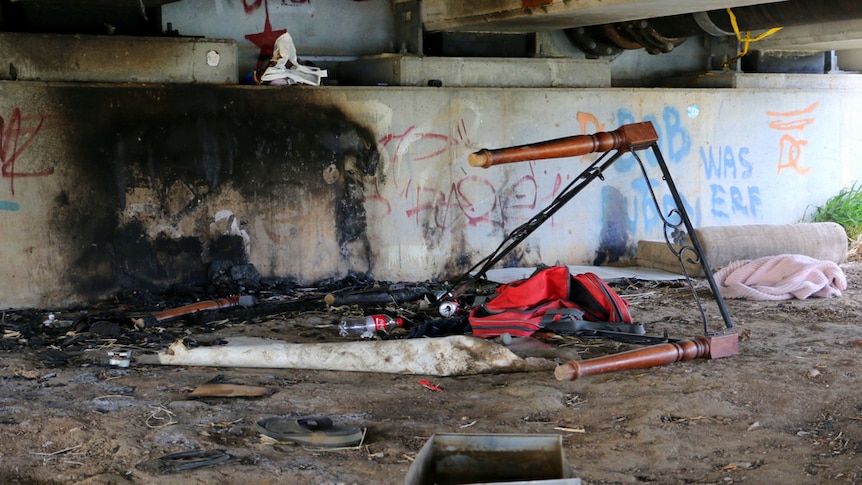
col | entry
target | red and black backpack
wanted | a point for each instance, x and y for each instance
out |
(549, 298)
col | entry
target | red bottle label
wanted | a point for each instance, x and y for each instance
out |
(380, 322)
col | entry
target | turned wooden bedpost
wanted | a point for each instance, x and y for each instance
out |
(633, 136)
(711, 347)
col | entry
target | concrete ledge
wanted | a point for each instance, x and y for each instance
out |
(737, 80)
(798, 81)
(116, 59)
(400, 70)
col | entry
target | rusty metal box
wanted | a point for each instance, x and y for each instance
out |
(461, 459)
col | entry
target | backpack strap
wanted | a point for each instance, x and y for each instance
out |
(560, 314)
(570, 321)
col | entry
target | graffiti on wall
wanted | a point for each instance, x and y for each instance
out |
(728, 169)
(16, 133)
(463, 198)
(792, 124)
(474, 199)
(265, 39)
(674, 143)
(455, 198)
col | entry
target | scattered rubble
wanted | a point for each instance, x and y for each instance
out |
(759, 416)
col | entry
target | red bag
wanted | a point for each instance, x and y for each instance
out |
(598, 300)
(525, 306)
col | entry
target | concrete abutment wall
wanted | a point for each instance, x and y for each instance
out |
(107, 187)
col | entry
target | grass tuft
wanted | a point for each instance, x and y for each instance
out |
(844, 209)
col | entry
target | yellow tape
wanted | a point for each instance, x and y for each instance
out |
(747, 40)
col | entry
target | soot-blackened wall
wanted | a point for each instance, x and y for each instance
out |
(166, 181)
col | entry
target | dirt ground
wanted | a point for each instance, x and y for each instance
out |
(786, 409)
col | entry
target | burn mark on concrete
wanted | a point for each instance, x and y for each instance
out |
(614, 244)
(266, 144)
(179, 259)
(94, 265)
(457, 265)
(229, 248)
(135, 264)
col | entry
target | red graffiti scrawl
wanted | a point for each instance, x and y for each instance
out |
(15, 135)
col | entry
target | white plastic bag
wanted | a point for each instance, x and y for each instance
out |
(287, 69)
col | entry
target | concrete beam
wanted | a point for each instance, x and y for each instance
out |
(93, 58)
(397, 70)
(539, 15)
(850, 60)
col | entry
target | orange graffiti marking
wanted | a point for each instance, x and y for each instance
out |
(588, 118)
(790, 146)
(793, 149)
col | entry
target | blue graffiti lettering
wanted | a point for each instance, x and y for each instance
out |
(745, 202)
(725, 163)
(717, 201)
(674, 140)
(8, 205)
(677, 139)
(644, 206)
(611, 196)
(675, 218)
(709, 164)
(627, 163)
(736, 202)
(729, 162)
(746, 165)
(754, 202)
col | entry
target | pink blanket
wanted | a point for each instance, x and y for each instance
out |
(781, 278)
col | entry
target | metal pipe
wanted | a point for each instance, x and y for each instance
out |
(662, 34)
(765, 16)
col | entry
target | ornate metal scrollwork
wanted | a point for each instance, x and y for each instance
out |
(679, 233)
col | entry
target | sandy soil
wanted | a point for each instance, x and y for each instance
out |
(785, 410)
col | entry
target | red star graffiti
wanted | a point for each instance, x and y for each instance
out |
(266, 39)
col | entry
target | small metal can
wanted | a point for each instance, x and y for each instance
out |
(448, 309)
(120, 358)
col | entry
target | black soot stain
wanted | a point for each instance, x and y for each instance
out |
(263, 141)
(614, 244)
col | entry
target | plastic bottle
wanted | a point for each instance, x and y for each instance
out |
(370, 324)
